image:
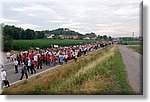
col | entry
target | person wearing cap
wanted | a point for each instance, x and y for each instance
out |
(4, 78)
(24, 71)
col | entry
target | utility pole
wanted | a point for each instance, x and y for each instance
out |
(133, 35)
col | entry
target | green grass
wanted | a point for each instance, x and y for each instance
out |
(132, 42)
(136, 48)
(120, 73)
(45, 43)
(100, 72)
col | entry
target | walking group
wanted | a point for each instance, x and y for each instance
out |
(32, 60)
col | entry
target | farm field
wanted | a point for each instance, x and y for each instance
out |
(132, 42)
(100, 72)
(136, 48)
(45, 43)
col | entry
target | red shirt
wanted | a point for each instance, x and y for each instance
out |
(31, 55)
(54, 59)
(23, 57)
(69, 54)
(41, 57)
(48, 57)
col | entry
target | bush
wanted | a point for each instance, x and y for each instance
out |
(7, 43)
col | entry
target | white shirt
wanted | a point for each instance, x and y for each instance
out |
(16, 62)
(29, 62)
(35, 58)
(3, 75)
(66, 56)
(8, 54)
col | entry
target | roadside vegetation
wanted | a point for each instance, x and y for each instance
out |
(99, 72)
(46, 43)
(133, 42)
(136, 48)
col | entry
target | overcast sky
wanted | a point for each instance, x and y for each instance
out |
(111, 17)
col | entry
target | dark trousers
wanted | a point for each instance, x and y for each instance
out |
(5, 82)
(32, 69)
(40, 64)
(29, 68)
(22, 74)
(16, 69)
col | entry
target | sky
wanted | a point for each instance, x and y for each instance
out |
(115, 18)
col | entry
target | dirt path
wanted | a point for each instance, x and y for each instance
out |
(133, 64)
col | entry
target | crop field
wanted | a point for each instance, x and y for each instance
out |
(136, 48)
(132, 42)
(99, 72)
(45, 43)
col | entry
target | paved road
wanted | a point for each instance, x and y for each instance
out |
(133, 64)
(14, 78)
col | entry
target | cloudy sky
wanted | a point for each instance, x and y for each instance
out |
(111, 17)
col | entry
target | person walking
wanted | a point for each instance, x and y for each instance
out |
(54, 60)
(24, 71)
(4, 79)
(8, 56)
(36, 61)
(32, 66)
(61, 58)
(40, 62)
(29, 65)
(16, 66)
(66, 57)
(48, 59)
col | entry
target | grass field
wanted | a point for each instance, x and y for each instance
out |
(136, 48)
(100, 72)
(45, 43)
(132, 42)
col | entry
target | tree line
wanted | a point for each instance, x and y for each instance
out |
(10, 33)
(17, 33)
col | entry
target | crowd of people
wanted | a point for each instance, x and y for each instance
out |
(31, 60)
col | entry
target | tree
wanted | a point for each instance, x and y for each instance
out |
(105, 37)
(30, 34)
(90, 35)
(110, 38)
(7, 31)
(7, 43)
(39, 34)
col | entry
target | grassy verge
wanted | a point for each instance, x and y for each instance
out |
(136, 48)
(100, 72)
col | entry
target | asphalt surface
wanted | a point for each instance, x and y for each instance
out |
(14, 78)
(134, 69)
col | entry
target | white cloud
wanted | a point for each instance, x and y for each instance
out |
(32, 15)
(101, 16)
(3, 20)
(30, 26)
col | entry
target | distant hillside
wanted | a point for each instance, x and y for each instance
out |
(18, 33)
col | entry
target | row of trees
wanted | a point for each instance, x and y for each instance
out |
(19, 33)
(11, 33)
